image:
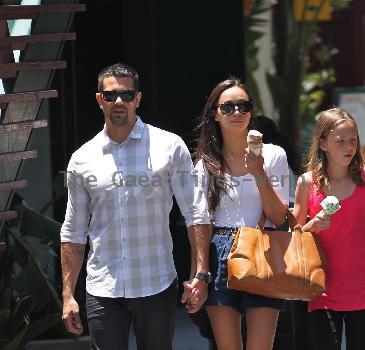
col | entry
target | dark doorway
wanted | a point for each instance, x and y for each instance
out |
(179, 49)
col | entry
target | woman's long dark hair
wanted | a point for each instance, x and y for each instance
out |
(210, 142)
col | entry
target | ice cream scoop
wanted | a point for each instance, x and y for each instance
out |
(330, 205)
(254, 141)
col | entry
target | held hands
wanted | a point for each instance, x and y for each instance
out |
(320, 222)
(195, 294)
(71, 316)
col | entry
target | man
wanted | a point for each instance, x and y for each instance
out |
(120, 187)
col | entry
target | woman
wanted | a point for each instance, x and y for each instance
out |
(234, 188)
(336, 168)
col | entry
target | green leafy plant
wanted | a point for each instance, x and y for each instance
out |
(303, 68)
(253, 23)
(30, 304)
(298, 90)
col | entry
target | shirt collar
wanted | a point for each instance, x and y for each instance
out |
(136, 133)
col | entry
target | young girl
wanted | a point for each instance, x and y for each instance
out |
(335, 168)
(234, 188)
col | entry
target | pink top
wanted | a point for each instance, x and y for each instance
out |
(344, 247)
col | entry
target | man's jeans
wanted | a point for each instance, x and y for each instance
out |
(152, 318)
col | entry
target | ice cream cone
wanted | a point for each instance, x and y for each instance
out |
(254, 142)
(330, 205)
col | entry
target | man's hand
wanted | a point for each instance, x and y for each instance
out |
(71, 316)
(195, 294)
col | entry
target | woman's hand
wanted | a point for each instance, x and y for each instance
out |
(320, 222)
(255, 165)
(195, 294)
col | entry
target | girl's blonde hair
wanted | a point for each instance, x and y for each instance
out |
(317, 164)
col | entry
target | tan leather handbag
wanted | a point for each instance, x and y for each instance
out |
(277, 264)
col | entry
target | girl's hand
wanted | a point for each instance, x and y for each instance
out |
(254, 164)
(320, 222)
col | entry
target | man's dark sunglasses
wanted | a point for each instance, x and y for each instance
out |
(230, 107)
(125, 95)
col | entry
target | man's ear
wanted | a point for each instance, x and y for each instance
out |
(138, 98)
(99, 99)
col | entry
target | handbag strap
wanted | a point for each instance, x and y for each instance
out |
(293, 223)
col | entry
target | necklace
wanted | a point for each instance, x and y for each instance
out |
(236, 191)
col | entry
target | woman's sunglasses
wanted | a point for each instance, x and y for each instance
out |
(228, 108)
(125, 95)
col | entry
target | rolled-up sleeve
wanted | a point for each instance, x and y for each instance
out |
(75, 226)
(279, 174)
(201, 212)
(182, 181)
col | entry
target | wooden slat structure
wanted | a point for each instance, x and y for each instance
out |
(10, 157)
(31, 11)
(9, 70)
(32, 83)
(14, 185)
(8, 215)
(35, 124)
(19, 42)
(28, 96)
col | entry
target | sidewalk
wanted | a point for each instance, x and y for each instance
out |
(187, 337)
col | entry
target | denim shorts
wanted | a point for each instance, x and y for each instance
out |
(218, 293)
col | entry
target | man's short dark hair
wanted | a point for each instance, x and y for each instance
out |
(118, 70)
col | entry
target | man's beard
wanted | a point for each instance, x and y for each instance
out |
(118, 120)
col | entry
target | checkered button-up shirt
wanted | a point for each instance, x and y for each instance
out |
(120, 196)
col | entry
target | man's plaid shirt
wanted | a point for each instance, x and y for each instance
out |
(120, 196)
